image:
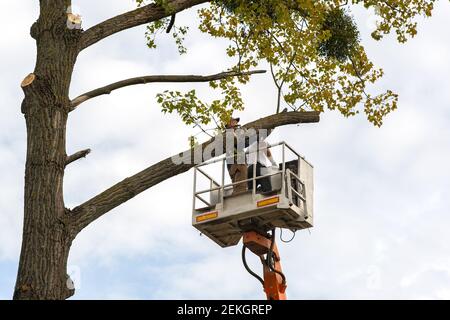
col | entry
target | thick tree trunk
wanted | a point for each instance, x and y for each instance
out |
(47, 235)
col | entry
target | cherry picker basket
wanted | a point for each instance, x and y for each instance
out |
(224, 217)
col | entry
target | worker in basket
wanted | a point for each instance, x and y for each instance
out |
(259, 154)
(237, 171)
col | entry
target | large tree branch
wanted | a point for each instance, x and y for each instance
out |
(134, 18)
(123, 191)
(157, 78)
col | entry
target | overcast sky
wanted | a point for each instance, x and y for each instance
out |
(382, 204)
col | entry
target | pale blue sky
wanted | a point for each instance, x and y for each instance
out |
(382, 206)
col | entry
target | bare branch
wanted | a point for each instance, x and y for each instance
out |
(77, 156)
(123, 191)
(158, 78)
(134, 18)
(171, 23)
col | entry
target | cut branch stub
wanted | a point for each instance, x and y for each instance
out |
(77, 156)
(74, 20)
(28, 80)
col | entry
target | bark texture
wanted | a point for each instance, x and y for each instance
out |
(46, 235)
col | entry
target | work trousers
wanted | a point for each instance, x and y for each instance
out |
(238, 172)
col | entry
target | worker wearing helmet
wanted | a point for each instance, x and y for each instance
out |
(237, 171)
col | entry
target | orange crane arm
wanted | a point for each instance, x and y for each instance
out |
(265, 248)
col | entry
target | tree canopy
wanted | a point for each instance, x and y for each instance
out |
(313, 48)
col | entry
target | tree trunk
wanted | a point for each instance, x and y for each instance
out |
(47, 235)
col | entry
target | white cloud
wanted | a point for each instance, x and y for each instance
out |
(381, 204)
